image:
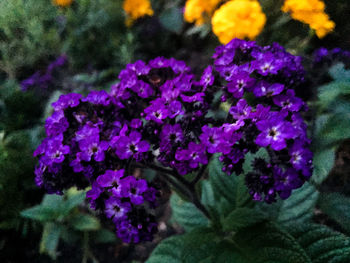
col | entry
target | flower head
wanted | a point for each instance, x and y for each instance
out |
(136, 9)
(238, 19)
(311, 12)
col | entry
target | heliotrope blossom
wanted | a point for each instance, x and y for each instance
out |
(160, 115)
(44, 78)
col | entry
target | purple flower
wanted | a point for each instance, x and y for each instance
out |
(239, 82)
(127, 232)
(116, 209)
(264, 88)
(111, 179)
(198, 97)
(170, 135)
(195, 154)
(215, 141)
(207, 78)
(93, 147)
(286, 182)
(274, 131)
(157, 111)
(144, 90)
(69, 100)
(56, 123)
(301, 158)
(288, 101)
(241, 111)
(98, 97)
(266, 64)
(134, 189)
(53, 151)
(131, 146)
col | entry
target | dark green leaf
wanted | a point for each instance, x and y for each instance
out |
(240, 218)
(265, 242)
(337, 207)
(194, 246)
(299, 207)
(104, 236)
(323, 164)
(322, 244)
(230, 187)
(186, 214)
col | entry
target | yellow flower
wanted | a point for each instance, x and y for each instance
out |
(311, 12)
(62, 2)
(238, 19)
(136, 9)
(196, 11)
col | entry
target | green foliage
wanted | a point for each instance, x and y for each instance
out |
(94, 29)
(322, 244)
(332, 123)
(299, 207)
(241, 218)
(228, 187)
(337, 207)
(28, 34)
(172, 19)
(61, 219)
(186, 214)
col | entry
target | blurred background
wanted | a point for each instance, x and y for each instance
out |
(48, 48)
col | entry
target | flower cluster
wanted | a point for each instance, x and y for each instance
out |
(136, 9)
(196, 11)
(271, 119)
(324, 56)
(87, 141)
(160, 116)
(311, 12)
(63, 3)
(238, 19)
(43, 79)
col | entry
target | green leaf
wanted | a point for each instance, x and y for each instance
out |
(299, 207)
(336, 128)
(240, 218)
(74, 199)
(52, 201)
(329, 92)
(265, 242)
(50, 238)
(208, 198)
(323, 163)
(322, 244)
(84, 222)
(172, 19)
(186, 214)
(230, 187)
(194, 246)
(40, 213)
(337, 207)
(338, 72)
(168, 251)
(104, 236)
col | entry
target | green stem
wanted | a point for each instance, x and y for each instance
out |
(85, 247)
